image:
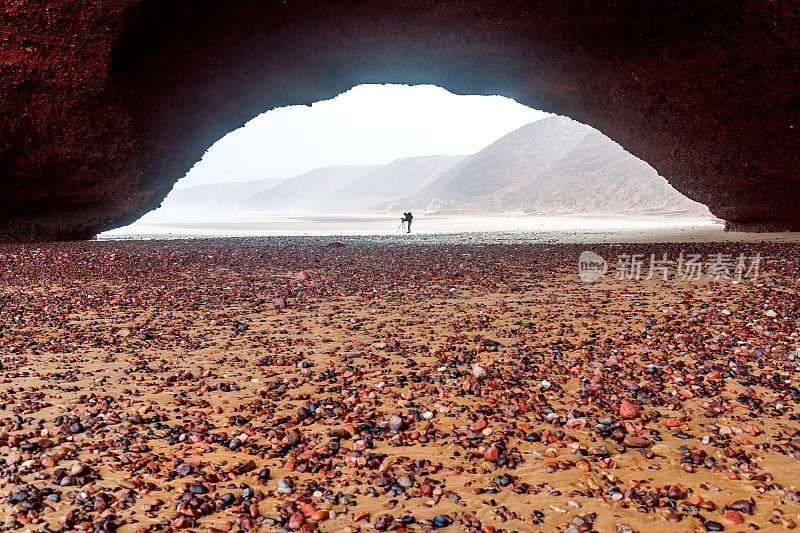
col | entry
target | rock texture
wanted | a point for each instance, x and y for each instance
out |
(104, 105)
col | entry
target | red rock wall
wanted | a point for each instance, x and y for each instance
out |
(104, 105)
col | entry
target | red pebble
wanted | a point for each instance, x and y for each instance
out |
(734, 517)
(628, 410)
(492, 454)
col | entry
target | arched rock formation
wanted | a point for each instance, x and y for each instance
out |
(105, 104)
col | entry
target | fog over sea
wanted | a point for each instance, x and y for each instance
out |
(425, 228)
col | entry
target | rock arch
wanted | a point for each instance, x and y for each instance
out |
(104, 105)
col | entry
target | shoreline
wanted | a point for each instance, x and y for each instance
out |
(449, 231)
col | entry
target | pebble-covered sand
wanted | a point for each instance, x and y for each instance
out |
(306, 385)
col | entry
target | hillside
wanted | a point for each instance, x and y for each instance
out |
(217, 196)
(390, 183)
(553, 166)
(309, 192)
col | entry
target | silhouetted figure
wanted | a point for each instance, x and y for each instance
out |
(407, 218)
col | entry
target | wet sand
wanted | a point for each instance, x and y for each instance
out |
(431, 229)
(446, 229)
(284, 384)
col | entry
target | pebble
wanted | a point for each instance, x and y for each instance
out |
(406, 480)
(79, 469)
(628, 410)
(440, 521)
(635, 441)
(285, 486)
(733, 517)
(397, 423)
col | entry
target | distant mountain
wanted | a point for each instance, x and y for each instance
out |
(308, 192)
(597, 176)
(552, 166)
(218, 196)
(389, 183)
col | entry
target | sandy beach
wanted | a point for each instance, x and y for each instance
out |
(285, 384)
(508, 229)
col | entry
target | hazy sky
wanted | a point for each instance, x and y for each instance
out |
(369, 124)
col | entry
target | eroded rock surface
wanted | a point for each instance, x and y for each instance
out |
(104, 105)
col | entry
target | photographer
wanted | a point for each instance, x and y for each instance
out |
(407, 218)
